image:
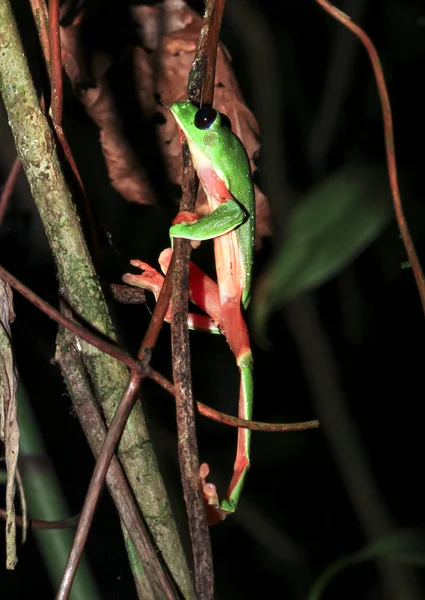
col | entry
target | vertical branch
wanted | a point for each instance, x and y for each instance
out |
(48, 29)
(41, 18)
(55, 63)
(200, 85)
(211, 43)
(185, 411)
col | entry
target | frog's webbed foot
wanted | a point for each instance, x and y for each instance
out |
(149, 279)
(214, 512)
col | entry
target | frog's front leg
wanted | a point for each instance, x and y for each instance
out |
(223, 219)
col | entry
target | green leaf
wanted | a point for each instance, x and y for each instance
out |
(336, 221)
(405, 546)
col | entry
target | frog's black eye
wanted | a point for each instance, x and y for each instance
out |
(205, 117)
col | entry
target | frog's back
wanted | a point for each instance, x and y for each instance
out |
(237, 173)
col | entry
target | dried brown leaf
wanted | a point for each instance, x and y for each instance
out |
(90, 83)
(168, 34)
(9, 429)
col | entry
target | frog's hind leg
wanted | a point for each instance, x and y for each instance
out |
(236, 333)
(203, 291)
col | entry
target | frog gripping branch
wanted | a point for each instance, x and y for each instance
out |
(222, 165)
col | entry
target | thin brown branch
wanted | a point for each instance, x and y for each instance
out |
(389, 141)
(220, 417)
(40, 524)
(187, 444)
(56, 84)
(161, 307)
(41, 18)
(212, 40)
(200, 86)
(72, 326)
(48, 29)
(9, 186)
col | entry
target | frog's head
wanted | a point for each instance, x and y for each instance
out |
(202, 126)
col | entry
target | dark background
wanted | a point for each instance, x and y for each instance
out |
(350, 354)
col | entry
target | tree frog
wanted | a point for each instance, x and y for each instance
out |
(223, 168)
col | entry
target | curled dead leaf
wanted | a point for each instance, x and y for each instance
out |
(91, 85)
